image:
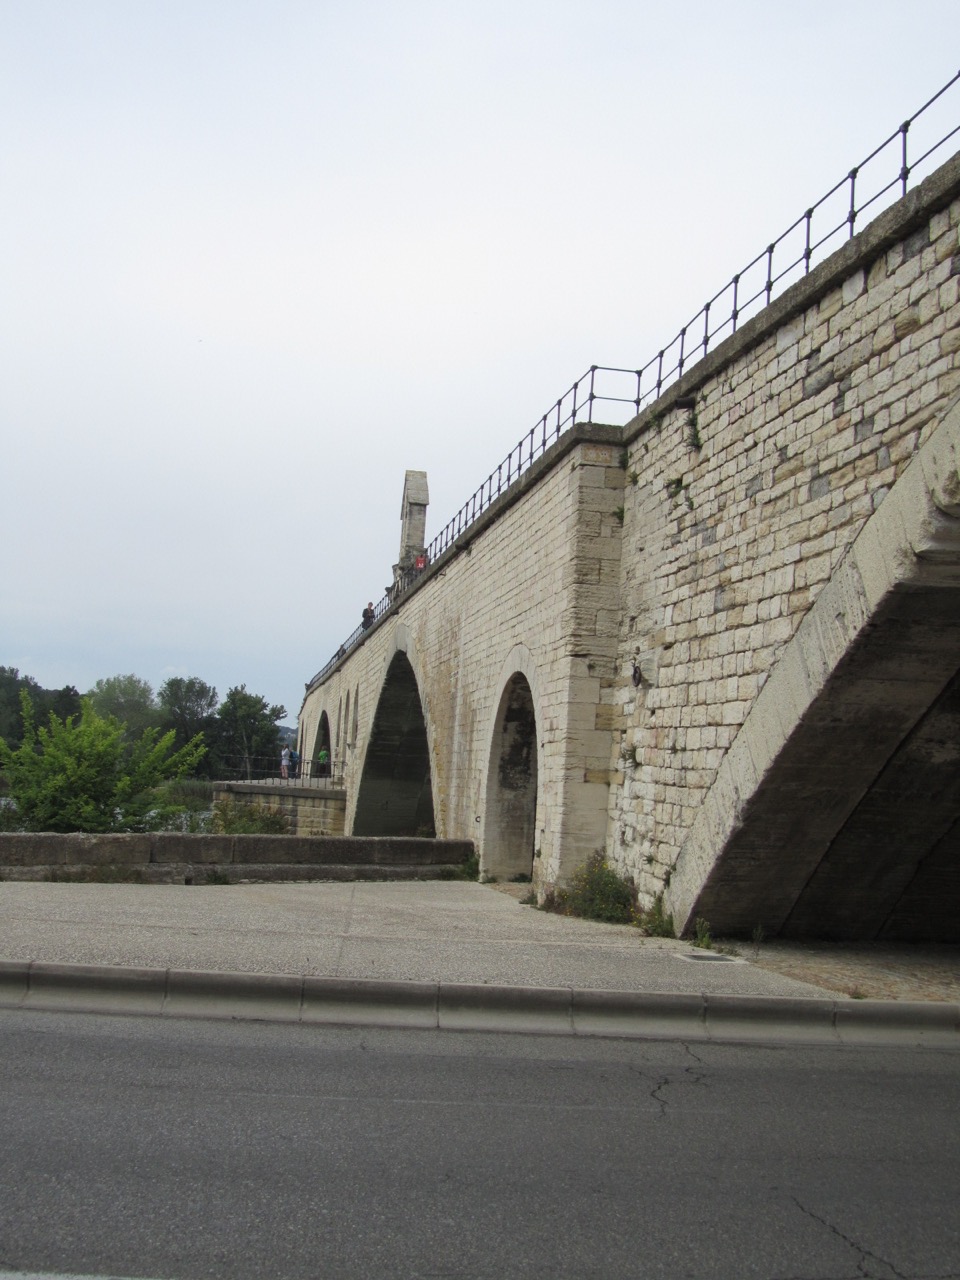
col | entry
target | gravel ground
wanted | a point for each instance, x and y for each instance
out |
(432, 931)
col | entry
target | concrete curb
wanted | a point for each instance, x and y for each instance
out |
(451, 1006)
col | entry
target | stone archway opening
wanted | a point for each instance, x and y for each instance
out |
(320, 769)
(510, 824)
(395, 797)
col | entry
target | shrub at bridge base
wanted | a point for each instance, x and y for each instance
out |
(598, 892)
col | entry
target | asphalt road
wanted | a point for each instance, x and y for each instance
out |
(179, 1150)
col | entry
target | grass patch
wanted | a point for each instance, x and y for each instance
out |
(469, 869)
(702, 937)
(655, 922)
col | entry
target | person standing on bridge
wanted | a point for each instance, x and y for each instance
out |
(368, 616)
(285, 762)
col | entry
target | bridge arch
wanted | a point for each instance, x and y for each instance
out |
(395, 795)
(321, 740)
(509, 837)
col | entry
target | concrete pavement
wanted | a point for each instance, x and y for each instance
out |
(440, 952)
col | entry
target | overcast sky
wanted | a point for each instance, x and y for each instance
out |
(258, 258)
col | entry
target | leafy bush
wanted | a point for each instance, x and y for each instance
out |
(256, 819)
(655, 922)
(596, 892)
(83, 774)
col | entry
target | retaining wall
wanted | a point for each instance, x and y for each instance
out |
(311, 811)
(169, 857)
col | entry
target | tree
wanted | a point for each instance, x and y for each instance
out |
(10, 686)
(187, 706)
(62, 702)
(129, 700)
(248, 727)
(84, 774)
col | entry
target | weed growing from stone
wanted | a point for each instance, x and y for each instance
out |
(693, 431)
(469, 869)
(655, 922)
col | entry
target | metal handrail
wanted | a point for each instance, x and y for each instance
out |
(268, 769)
(747, 293)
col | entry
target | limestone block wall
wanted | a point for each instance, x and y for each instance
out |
(311, 811)
(531, 588)
(748, 482)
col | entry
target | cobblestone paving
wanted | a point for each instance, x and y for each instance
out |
(874, 971)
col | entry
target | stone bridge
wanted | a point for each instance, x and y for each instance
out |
(720, 643)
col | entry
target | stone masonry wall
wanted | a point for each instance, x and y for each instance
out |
(531, 588)
(739, 508)
(311, 811)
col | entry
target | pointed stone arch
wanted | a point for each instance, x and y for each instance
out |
(395, 797)
(510, 817)
(321, 740)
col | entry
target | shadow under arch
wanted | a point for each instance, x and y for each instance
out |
(395, 797)
(510, 819)
(321, 740)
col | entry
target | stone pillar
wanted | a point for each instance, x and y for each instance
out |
(413, 525)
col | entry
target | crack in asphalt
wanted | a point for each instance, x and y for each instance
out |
(661, 1102)
(695, 1077)
(866, 1257)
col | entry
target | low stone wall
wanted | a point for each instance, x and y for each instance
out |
(166, 857)
(311, 811)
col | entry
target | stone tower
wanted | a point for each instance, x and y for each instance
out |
(413, 524)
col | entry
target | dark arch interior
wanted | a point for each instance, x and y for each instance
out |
(396, 794)
(511, 818)
(322, 740)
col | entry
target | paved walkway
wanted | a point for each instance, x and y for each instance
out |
(432, 931)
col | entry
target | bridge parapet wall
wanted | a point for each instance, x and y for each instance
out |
(747, 484)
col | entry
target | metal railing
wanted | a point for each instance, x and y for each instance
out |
(785, 260)
(306, 773)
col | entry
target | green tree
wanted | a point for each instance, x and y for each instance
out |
(127, 699)
(187, 706)
(10, 685)
(247, 729)
(83, 774)
(62, 702)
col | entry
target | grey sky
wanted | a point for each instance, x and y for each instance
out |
(257, 259)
